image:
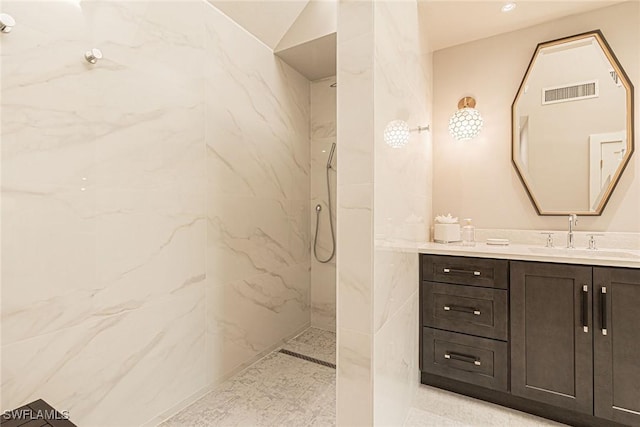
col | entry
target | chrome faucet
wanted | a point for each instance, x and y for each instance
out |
(573, 221)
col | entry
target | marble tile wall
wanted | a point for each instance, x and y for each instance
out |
(103, 268)
(258, 168)
(402, 208)
(323, 135)
(154, 206)
(355, 53)
(383, 193)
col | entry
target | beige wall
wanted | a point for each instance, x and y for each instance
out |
(476, 178)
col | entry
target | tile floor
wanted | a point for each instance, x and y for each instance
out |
(281, 390)
(315, 343)
(434, 407)
(278, 390)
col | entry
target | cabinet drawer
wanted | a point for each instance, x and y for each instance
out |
(474, 360)
(467, 309)
(488, 273)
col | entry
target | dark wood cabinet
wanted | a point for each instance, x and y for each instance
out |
(467, 309)
(483, 272)
(551, 341)
(557, 340)
(464, 314)
(474, 360)
(617, 344)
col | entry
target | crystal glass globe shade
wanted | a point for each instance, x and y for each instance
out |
(396, 134)
(465, 124)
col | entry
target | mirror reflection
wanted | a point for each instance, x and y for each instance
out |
(572, 125)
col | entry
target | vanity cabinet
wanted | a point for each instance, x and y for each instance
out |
(551, 334)
(616, 339)
(464, 312)
(558, 340)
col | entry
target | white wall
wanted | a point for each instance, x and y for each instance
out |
(476, 178)
(323, 135)
(154, 206)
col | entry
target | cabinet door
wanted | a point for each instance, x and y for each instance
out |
(617, 344)
(551, 334)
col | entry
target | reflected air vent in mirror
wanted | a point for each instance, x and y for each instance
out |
(570, 93)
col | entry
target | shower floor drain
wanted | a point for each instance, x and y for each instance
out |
(307, 358)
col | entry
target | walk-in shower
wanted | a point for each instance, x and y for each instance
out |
(319, 210)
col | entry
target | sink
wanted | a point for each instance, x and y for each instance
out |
(587, 253)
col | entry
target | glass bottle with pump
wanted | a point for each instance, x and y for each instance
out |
(468, 233)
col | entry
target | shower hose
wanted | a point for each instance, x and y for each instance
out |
(318, 209)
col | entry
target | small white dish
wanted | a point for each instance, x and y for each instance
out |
(498, 242)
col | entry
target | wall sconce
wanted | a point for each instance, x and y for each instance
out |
(465, 123)
(396, 133)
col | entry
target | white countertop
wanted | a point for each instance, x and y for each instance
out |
(601, 257)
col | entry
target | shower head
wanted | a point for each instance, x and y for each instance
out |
(330, 159)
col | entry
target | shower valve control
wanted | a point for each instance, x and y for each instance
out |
(6, 23)
(92, 56)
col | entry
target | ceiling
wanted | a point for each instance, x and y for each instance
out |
(453, 22)
(268, 20)
(291, 27)
(315, 59)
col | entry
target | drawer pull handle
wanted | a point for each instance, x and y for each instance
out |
(462, 358)
(462, 309)
(449, 270)
(603, 309)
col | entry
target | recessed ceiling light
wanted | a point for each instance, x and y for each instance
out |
(508, 7)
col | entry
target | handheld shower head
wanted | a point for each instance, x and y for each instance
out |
(330, 159)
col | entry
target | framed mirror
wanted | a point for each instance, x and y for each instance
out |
(572, 125)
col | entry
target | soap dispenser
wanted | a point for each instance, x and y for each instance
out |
(468, 233)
